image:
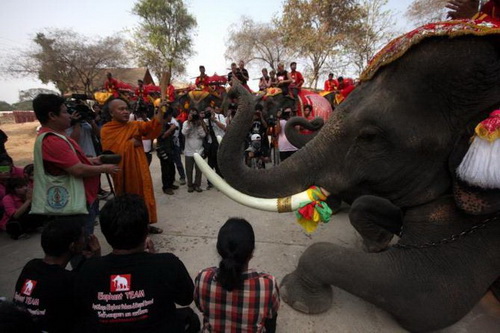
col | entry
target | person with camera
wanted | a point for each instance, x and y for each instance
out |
(194, 131)
(286, 148)
(216, 125)
(66, 180)
(165, 150)
(257, 140)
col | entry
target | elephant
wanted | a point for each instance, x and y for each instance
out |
(391, 151)
(273, 100)
(200, 99)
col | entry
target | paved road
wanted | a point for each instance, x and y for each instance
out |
(191, 222)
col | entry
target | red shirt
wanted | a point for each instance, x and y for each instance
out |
(242, 310)
(141, 92)
(331, 85)
(201, 81)
(11, 203)
(170, 93)
(15, 172)
(492, 9)
(297, 78)
(57, 155)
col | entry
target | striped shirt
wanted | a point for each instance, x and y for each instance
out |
(242, 310)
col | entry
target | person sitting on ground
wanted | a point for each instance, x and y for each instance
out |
(29, 174)
(232, 297)
(3, 139)
(7, 171)
(16, 219)
(15, 319)
(133, 289)
(44, 287)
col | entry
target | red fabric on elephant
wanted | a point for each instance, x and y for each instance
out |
(399, 46)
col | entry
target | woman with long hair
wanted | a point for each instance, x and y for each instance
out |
(232, 297)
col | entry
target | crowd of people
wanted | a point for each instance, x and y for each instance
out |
(133, 288)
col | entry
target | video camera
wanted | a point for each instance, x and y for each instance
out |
(77, 103)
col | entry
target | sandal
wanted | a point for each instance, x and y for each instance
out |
(155, 230)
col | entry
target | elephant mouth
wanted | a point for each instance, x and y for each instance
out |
(280, 205)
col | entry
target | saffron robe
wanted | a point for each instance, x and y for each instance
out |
(134, 176)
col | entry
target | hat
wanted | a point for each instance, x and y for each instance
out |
(255, 137)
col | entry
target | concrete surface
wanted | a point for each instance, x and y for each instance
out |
(191, 222)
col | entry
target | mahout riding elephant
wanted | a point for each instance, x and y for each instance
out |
(391, 150)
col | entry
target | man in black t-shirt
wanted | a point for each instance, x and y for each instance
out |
(45, 288)
(133, 289)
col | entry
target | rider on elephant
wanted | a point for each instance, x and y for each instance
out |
(297, 80)
(331, 84)
(202, 80)
(462, 9)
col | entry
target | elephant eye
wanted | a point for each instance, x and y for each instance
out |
(368, 134)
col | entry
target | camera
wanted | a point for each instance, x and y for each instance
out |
(76, 103)
(271, 121)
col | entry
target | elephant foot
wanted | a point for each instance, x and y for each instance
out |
(372, 246)
(305, 297)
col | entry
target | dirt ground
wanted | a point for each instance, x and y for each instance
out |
(21, 140)
(191, 222)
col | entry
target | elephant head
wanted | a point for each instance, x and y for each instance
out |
(391, 150)
(199, 99)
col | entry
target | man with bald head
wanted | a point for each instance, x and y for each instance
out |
(124, 137)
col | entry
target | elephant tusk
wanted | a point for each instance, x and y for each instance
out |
(280, 205)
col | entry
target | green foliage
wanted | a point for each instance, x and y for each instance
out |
(4, 106)
(163, 39)
(261, 43)
(23, 106)
(69, 60)
(30, 94)
(316, 28)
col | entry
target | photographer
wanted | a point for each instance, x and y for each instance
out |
(84, 129)
(216, 125)
(194, 130)
(257, 140)
(165, 150)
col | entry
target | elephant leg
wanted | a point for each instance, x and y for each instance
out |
(377, 220)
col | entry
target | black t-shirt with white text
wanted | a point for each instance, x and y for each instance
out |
(132, 293)
(47, 292)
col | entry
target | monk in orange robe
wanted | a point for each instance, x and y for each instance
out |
(124, 137)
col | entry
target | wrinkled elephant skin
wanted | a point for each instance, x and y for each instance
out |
(391, 150)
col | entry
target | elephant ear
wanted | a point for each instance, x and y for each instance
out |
(473, 199)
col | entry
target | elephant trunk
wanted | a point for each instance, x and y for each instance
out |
(294, 175)
(298, 139)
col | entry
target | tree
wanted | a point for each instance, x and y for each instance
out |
(426, 11)
(69, 60)
(316, 28)
(23, 106)
(262, 43)
(373, 32)
(4, 106)
(30, 94)
(163, 40)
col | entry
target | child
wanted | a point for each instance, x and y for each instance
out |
(44, 287)
(232, 297)
(17, 203)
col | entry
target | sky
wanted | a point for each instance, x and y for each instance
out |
(20, 20)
